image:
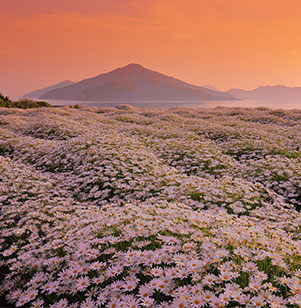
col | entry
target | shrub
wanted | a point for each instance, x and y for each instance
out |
(23, 103)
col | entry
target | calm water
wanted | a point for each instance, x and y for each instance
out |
(144, 104)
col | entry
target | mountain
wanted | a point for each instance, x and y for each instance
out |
(37, 93)
(278, 92)
(134, 82)
(209, 86)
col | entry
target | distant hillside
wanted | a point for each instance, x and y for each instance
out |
(134, 82)
(209, 86)
(40, 92)
(278, 92)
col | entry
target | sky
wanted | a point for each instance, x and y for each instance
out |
(224, 43)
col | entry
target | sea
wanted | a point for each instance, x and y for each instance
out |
(286, 105)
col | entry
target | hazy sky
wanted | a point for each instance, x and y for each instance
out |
(226, 43)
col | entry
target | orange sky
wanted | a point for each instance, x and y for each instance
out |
(226, 43)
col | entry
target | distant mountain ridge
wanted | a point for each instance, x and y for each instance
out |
(278, 92)
(38, 93)
(134, 82)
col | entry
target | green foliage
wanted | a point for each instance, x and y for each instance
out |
(4, 101)
(76, 106)
(27, 103)
(22, 103)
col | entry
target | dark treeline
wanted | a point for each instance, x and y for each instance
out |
(25, 103)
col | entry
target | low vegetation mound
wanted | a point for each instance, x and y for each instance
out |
(23, 103)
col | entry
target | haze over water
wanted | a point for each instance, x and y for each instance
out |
(287, 105)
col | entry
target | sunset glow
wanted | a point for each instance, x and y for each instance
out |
(150, 153)
(223, 43)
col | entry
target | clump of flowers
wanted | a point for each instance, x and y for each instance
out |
(109, 210)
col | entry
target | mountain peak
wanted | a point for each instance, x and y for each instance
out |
(38, 93)
(132, 67)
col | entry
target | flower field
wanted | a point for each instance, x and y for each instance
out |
(124, 207)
